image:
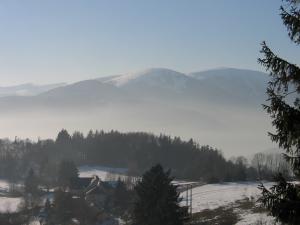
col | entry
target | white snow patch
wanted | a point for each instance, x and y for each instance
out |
(34, 222)
(8, 204)
(212, 196)
(158, 77)
(257, 218)
(4, 185)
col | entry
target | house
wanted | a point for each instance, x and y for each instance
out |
(78, 184)
(93, 189)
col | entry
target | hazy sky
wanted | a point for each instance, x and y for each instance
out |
(44, 41)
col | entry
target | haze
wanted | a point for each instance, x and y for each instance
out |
(128, 65)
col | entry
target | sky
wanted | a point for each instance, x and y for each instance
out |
(53, 41)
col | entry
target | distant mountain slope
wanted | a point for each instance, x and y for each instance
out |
(234, 80)
(243, 86)
(219, 86)
(27, 89)
(227, 72)
(212, 85)
(105, 79)
(219, 107)
(88, 89)
(88, 92)
(154, 77)
(74, 96)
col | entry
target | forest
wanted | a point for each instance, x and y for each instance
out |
(135, 151)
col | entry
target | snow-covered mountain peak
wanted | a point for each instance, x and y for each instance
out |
(155, 77)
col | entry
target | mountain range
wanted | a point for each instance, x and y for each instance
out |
(27, 89)
(219, 107)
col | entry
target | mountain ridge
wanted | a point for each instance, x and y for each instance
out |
(222, 110)
(27, 89)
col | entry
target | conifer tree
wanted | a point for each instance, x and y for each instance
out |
(67, 170)
(31, 183)
(31, 197)
(157, 201)
(63, 137)
(283, 199)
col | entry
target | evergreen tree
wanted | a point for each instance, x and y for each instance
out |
(283, 199)
(31, 183)
(63, 204)
(66, 207)
(241, 168)
(63, 137)
(157, 200)
(121, 198)
(31, 198)
(67, 170)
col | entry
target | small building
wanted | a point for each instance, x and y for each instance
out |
(95, 191)
(77, 185)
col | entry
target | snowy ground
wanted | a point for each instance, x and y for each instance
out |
(226, 195)
(10, 204)
(212, 196)
(256, 218)
(7, 204)
(4, 185)
(206, 197)
(209, 196)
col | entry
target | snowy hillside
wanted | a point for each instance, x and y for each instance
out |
(239, 199)
(212, 196)
(154, 77)
(235, 81)
(87, 91)
(226, 85)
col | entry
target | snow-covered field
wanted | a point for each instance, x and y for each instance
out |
(7, 204)
(212, 196)
(256, 218)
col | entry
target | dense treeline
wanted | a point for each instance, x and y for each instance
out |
(135, 151)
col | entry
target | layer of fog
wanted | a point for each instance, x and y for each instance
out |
(234, 132)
